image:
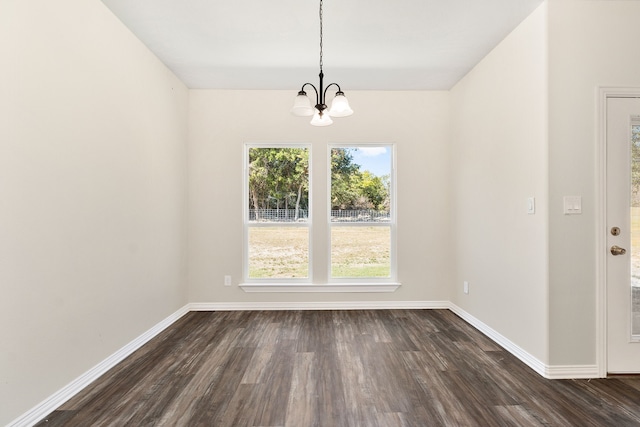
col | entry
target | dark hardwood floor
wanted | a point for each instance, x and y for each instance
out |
(338, 368)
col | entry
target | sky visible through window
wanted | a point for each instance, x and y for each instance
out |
(376, 160)
(279, 231)
(361, 223)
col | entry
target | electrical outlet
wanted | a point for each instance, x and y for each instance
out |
(466, 287)
(227, 280)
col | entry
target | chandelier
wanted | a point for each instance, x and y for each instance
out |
(321, 117)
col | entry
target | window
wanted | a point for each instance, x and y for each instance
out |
(355, 237)
(277, 220)
(362, 213)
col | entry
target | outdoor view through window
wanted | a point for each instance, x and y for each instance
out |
(635, 230)
(360, 214)
(278, 216)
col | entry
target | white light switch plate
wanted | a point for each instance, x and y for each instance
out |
(572, 205)
(531, 205)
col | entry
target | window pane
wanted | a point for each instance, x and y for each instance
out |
(277, 192)
(635, 230)
(278, 252)
(278, 184)
(360, 184)
(361, 194)
(359, 252)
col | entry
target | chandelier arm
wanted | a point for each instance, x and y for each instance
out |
(321, 91)
(324, 96)
(314, 89)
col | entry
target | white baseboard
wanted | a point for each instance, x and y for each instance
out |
(320, 305)
(547, 371)
(50, 404)
(501, 340)
(566, 372)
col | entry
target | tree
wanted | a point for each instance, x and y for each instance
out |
(344, 193)
(373, 189)
(278, 177)
(352, 188)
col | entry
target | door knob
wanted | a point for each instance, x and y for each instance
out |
(617, 250)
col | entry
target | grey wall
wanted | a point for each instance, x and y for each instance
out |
(499, 160)
(590, 45)
(97, 202)
(220, 122)
(92, 194)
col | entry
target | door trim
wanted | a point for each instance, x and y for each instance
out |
(604, 93)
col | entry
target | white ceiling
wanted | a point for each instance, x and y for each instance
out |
(368, 45)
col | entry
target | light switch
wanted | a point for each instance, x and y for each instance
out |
(572, 205)
(531, 205)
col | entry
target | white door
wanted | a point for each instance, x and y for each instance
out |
(623, 235)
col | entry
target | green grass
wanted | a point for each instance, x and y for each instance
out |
(351, 271)
(282, 252)
(278, 252)
(358, 252)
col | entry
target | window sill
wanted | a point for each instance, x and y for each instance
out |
(329, 287)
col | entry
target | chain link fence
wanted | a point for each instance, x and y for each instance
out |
(301, 215)
(278, 215)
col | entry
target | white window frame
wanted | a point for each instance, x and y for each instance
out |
(338, 285)
(392, 224)
(247, 224)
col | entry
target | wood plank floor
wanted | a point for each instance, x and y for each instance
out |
(380, 368)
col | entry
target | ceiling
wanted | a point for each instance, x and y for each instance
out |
(368, 45)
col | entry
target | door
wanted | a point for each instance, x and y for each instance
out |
(623, 235)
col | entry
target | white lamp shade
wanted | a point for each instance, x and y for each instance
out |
(321, 120)
(302, 106)
(340, 106)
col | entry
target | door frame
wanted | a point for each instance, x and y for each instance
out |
(604, 93)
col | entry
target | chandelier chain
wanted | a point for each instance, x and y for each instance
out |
(320, 112)
(320, 35)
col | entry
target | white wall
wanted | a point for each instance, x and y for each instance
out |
(591, 44)
(92, 194)
(220, 122)
(93, 185)
(499, 159)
